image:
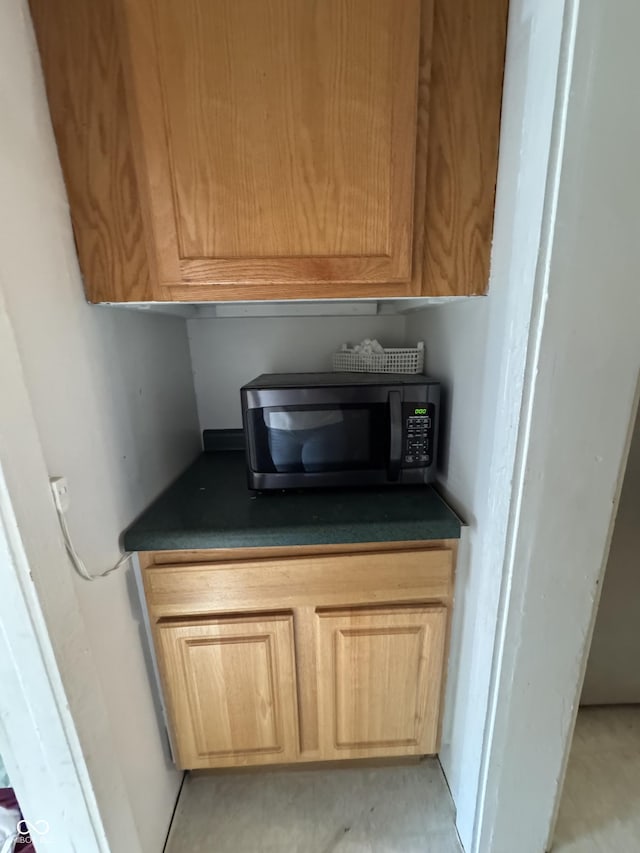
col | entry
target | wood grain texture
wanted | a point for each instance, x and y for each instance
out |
(398, 599)
(466, 94)
(125, 188)
(230, 688)
(379, 677)
(422, 148)
(278, 140)
(285, 152)
(304, 626)
(279, 291)
(447, 646)
(342, 290)
(83, 74)
(317, 581)
(217, 555)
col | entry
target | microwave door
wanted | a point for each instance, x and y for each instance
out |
(351, 435)
(395, 435)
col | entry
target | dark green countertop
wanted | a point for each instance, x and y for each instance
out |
(210, 506)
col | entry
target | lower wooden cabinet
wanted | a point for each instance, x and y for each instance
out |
(379, 677)
(347, 665)
(230, 688)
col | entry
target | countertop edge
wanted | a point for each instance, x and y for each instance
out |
(190, 541)
(167, 526)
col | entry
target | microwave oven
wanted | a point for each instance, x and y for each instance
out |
(309, 430)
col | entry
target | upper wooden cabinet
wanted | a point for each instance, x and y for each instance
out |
(277, 139)
(239, 149)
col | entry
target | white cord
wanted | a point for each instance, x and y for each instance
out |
(10, 843)
(76, 559)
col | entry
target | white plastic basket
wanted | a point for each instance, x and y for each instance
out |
(393, 360)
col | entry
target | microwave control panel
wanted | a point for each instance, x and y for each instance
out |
(418, 420)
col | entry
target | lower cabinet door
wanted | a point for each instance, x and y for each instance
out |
(380, 680)
(230, 690)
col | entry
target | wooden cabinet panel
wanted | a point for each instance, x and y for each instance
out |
(277, 139)
(349, 663)
(379, 680)
(312, 581)
(290, 149)
(81, 58)
(467, 70)
(230, 686)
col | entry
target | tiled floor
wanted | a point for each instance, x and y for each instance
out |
(374, 810)
(600, 808)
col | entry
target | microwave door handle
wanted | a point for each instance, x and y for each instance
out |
(395, 435)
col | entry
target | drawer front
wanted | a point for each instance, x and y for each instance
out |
(309, 581)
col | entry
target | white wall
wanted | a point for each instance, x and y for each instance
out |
(577, 423)
(51, 703)
(479, 349)
(613, 674)
(456, 338)
(227, 352)
(112, 396)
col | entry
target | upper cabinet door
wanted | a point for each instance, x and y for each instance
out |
(277, 149)
(276, 142)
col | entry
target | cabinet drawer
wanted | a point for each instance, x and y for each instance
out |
(308, 581)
